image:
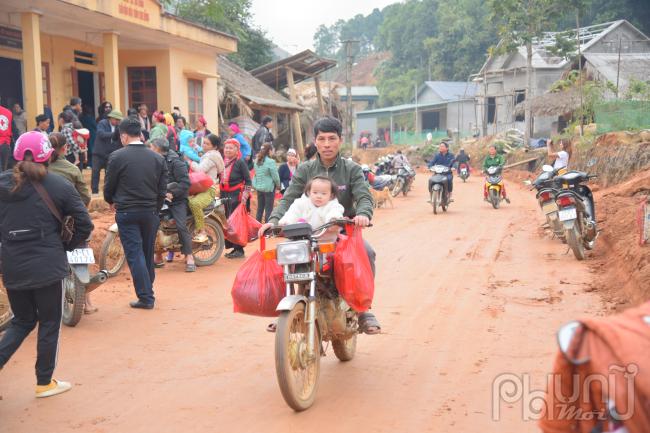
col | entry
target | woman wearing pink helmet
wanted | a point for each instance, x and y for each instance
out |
(33, 255)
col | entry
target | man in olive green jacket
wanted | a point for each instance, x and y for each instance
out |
(353, 192)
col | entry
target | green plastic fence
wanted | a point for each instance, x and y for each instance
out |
(622, 115)
(416, 138)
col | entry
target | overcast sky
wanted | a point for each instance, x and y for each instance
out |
(291, 24)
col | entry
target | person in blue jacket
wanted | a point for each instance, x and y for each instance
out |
(187, 150)
(446, 158)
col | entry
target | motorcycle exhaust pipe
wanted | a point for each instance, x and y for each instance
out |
(591, 230)
(97, 280)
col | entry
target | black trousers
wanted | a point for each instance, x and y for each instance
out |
(42, 306)
(264, 205)
(179, 213)
(99, 163)
(138, 235)
(5, 156)
(230, 206)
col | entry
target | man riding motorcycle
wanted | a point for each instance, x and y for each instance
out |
(353, 192)
(494, 160)
(446, 158)
(462, 158)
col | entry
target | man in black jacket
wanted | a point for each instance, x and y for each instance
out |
(262, 135)
(178, 186)
(107, 141)
(136, 185)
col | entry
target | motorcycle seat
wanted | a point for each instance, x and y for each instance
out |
(573, 176)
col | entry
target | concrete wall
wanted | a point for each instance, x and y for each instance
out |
(461, 113)
(427, 95)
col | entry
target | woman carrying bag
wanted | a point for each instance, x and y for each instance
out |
(34, 260)
(235, 185)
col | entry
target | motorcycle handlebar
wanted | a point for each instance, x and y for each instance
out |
(341, 222)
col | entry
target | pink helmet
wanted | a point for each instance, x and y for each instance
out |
(37, 143)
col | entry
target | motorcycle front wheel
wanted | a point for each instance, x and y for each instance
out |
(297, 373)
(74, 299)
(397, 188)
(435, 200)
(494, 198)
(5, 309)
(111, 256)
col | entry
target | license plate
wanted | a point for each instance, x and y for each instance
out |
(568, 214)
(549, 207)
(301, 276)
(81, 256)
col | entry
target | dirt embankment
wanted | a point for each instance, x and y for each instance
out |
(622, 265)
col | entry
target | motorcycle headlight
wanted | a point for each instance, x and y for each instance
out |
(292, 253)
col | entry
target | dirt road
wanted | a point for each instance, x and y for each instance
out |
(463, 298)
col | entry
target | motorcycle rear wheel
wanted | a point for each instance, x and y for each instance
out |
(74, 299)
(5, 309)
(345, 349)
(111, 256)
(297, 375)
(574, 240)
(217, 243)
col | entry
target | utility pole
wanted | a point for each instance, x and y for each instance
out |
(349, 57)
(618, 66)
(582, 108)
(415, 125)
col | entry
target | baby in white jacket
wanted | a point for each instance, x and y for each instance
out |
(317, 206)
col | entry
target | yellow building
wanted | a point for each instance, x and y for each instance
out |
(126, 52)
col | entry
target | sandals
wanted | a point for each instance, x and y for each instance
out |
(159, 265)
(273, 326)
(190, 267)
(92, 310)
(368, 324)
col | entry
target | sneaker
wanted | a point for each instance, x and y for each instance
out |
(55, 387)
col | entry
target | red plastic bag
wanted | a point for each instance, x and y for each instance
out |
(199, 182)
(352, 271)
(259, 286)
(242, 228)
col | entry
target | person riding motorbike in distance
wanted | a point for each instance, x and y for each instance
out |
(353, 192)
(494, 160)
(462, 158)
(446, 158)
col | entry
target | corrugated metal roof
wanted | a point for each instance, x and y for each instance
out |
(451, 90)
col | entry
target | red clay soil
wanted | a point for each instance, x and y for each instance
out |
(622, 265)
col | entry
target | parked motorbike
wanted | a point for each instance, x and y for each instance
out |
(78, 282)
(494, 185)
(404, 181)
(576, 212)
(463, 171)
(311, 313)
(547, 189)
(438, 188)
(112, 256)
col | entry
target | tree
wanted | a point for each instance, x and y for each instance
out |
(464, 36)
(326, 39)
(230, 16)
(520, 23)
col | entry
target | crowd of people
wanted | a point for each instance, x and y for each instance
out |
(147, 161)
